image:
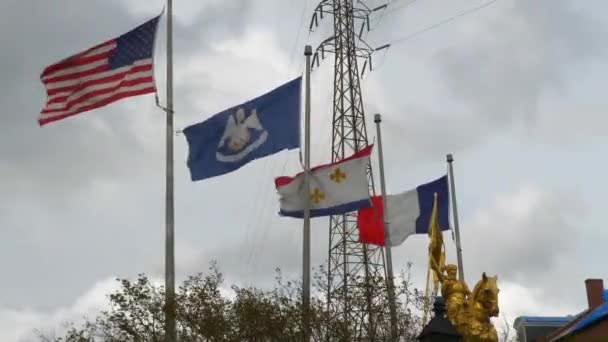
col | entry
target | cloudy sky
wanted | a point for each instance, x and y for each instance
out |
(513, 90)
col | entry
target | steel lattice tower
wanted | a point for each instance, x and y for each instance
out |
(353, 267)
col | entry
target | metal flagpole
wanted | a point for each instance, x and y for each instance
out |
(170, 331)
(306, 240)
(450, 160)
(387, 236)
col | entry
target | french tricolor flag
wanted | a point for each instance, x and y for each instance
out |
(408, 213)
(335, 189)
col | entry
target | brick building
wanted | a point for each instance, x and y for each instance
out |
(591, 324)
(587, 326)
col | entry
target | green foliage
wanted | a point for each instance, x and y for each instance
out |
(136, 312)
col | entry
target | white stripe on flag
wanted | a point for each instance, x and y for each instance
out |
(403, 211)
(76, 69)
(93, 100)
(95, 87)
(68, 83)
(102, 49)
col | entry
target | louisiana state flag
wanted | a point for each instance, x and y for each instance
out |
(255, 129)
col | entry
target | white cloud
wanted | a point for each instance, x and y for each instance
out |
(24, 325)
(184, 10)
(20, 325)
(516, 300)
(522, 235)
(233, 70)
(505, 79)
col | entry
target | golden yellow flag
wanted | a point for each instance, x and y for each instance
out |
(436, 246)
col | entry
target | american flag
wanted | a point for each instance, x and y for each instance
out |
(119, 68)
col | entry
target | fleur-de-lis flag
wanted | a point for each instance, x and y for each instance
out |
(336, 188)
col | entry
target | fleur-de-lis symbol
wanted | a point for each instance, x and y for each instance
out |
(317, 196)
(337, 176)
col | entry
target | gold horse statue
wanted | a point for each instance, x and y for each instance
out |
(470, 312)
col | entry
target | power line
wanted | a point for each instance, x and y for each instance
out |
(393, 10)
(295, 42)
(443, 22)
(259, 206)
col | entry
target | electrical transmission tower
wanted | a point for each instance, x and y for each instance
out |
(353, 296)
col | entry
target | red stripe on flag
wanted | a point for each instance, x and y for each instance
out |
(122, 95)
(67, 62)
(80, 62)
(111, 78)
(365, 152)
(283, 180)
(369, 223)
(75, 76)
(86, 96)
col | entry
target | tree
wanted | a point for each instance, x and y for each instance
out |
(506, 332)
(204, 314)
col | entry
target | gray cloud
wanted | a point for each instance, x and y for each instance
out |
(507, 67)
(526, 234)
(77, 187)
(531, 238)
(85, 196)
(504, 70)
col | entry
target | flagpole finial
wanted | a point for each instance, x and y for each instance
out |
(450, 158)
(307, 50)
(377, 118)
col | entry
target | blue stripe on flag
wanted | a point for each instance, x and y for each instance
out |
(335, 210)
(425, 201)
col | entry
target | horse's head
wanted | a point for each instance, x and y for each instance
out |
(486, 294)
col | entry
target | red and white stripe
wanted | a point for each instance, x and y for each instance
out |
(84, 82)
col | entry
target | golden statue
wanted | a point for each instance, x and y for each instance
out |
(454, 291)
(469, 312)
(481, 305)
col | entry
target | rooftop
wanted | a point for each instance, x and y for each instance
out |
(562, 326)
(544, 320)
(586, 320)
